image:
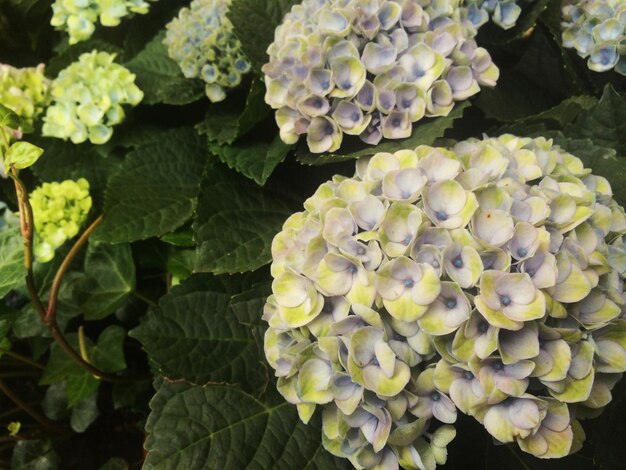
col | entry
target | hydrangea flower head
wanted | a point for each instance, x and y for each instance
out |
(504, 13)
(202, 41)
(370, 68)
(597, 30)
(88, 97)
(79, 17)
(59, 211)
(24, 90)
(487, 278)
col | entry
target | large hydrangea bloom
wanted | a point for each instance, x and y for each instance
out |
(488, 278)
(24, 90)
(371, 68)
(597, 30)
(88, 97)
(79, 17)
(203, 43)
(59, 210)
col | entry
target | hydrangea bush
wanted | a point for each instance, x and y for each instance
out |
(79, 17)
(370, 68)
(201, 40)
(597, 31)
(184, 284)
(88, 97)
(486, 278)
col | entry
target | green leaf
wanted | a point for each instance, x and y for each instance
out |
(424, 133)
(180, 264)
(12, 269)
(21, 155)
(85, 413)
(228, 120)
(194, 335)
(8, 118)
(160, 78)
(110, 279)
(254, 22)
(605, 123)
(182, 237)
(255, 160)
(236, 222)
(222, 427)
(108, 353)
(115, 463)
(154, 191)
(34, 455)
(248, 306)
(79, 386)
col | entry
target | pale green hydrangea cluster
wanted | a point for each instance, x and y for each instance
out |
(59, 211)
(79, 17)
(25, 91)
(88, 97)
(504, 13)
(202, 41)
(488, 278)
(597, 30)
(371, 68)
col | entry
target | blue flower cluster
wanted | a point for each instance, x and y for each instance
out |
(201, 40)
(597, 30)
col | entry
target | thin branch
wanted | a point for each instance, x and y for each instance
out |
(21, 358)
(58, 278)
(28, 409)
(145, 300)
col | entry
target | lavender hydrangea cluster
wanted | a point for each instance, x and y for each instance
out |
(597, 30)
(371, 68)
(487, 278)
(504, 13)
(203, 43)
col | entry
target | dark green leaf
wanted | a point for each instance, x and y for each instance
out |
(110, 279)
(108, 353)
(12, 269)
(254, 22)
(84, 413)
(55, 402)
(193, 335)
(255, 160)
(236, 222)
(180, 264)
(34, 455)
(115, 464)
(222, 427)
(424, 133)
(160, 78)
(605, 123)
(9, 119)
(155, 190)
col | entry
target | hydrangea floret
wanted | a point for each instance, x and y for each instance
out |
(596, 29)
(487, 278)
(59, 211)
(25, 91)
(88, 97)
(371, 68)
(202, 41)
(503, 13)
(79, 17)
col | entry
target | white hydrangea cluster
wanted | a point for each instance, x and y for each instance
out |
(88, 97)
(79, 17)
(59, 211)
(488, 278)
(597, 30)
(504, 13)
(201, 40)
(371, 68)
(25, 91)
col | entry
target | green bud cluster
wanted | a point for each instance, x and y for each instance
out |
(24, 90)
(596, 29)
(88, 97)
(201, 40)
(486, 278)
(78, 17)
(59, 211)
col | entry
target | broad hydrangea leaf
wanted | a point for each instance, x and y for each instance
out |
(21, 155)
(12, 269)
(34, 454)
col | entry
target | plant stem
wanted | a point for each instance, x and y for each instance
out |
(58, 278)
(145, 299)
(21, 358)
(49, 316)
(28, 409)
